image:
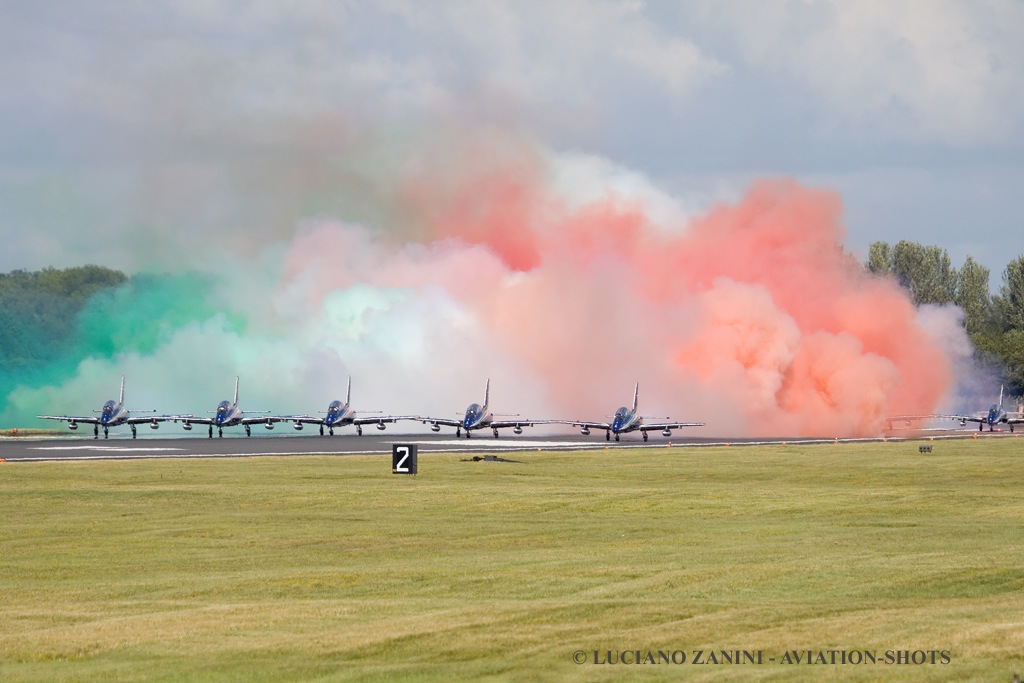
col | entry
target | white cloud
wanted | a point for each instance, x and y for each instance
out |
(925, 71)
(189, 117)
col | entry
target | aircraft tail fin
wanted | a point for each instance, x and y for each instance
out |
(121, 399)
(236, 391)
(348, 395)
(1000, 396)
(487, 392)
(636, 396)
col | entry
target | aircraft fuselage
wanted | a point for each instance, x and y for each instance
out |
(228, 415)
(477, 417)
(625, 420)
(113, 414)
(996, 414)
(339, 415)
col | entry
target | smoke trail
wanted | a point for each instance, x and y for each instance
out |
(754, 310)
(751, 317)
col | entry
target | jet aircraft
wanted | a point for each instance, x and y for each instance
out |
(626, 420)
(341, 414)
(996, 414)
(228, 415)
(112, 414)
(480, 417)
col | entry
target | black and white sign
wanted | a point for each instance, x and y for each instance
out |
(403, 458)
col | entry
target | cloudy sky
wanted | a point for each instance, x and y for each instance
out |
(126, 128)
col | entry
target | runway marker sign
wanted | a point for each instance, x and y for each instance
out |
(404, 458)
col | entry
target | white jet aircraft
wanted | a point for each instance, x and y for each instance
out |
(480, 417)
(627, 420)
(996, 414)
(228, 414)
(341, 415)
(112, 414)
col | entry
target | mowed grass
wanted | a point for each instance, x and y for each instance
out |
(332, 568)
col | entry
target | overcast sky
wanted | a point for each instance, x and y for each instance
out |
(130, 129)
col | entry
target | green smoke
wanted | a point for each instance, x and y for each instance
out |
(52, 320)
(144, 313)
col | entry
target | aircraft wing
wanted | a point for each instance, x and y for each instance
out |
(1015, 420)
(265, 419)
(893, 420)
(499, 424)
(304, 419)
(446, 421)
(152, 418)
(384, 418)
(962, 419)
(70, 418)
(588, 425)
(192, 419)
(668, 425)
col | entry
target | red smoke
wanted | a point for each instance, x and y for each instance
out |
(752, 318)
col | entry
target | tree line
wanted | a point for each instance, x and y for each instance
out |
(39, 312)
(994, 323)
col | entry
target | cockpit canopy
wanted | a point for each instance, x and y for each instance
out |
(334, 408)
(472, 412)
(108, 407)
(222, 407)
(621, 419)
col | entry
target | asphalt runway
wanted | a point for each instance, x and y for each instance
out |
(123, 447)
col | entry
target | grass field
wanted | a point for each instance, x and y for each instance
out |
(277, 569)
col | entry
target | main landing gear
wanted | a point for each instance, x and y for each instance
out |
(645, 436)
(359, 430)
(458, 432)
(96, 431)
(211, 431)
(495, 433)
(133, 430)
(248, 430)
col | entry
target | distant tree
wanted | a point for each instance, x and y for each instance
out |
(880, 258)
(1009, 303)
(38, 311)
(973, 297)
(926, 271)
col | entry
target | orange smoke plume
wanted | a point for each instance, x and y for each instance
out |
(752, 318)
